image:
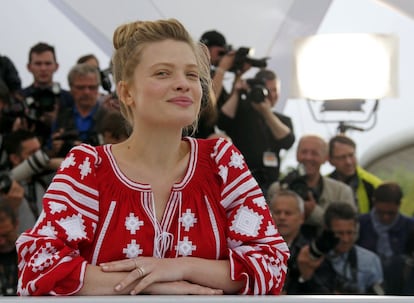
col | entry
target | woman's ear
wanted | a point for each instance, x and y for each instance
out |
(124, 93)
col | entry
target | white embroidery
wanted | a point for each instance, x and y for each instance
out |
(94, 226)
(56, 207)
(260, 201)
(246, 222)
(132, 250)
(185, 247)
(223, 172)
(236, 160)
(188, 219)
(85, 168)
(133, 223)
(69, 161)
(43, 258)
(270, 230)
(74, 227)
(48, 230)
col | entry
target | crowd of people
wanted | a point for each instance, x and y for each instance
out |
(106, 191)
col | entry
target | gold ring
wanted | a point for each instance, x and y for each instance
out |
(141, 271)
(139, 268)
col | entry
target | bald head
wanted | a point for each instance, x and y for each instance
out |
(312, 152)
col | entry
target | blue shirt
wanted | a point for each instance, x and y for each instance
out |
(84, 124)
(369, 269)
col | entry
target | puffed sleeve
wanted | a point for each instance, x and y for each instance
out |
(258, 253)
(49, 257)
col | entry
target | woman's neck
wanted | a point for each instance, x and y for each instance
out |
(153, 148)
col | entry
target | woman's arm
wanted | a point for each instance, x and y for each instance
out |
(97, 282)
(147, 271)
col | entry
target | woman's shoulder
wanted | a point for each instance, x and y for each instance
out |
(94, 154)
(214, 148)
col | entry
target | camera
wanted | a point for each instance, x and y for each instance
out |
(15, 109)
(323, 244)
(242, 56)
(257, 92)
(42, 100)
(33, 165)
(106, 82)
(296, 181)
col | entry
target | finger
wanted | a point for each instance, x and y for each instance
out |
(135, 275)
(120, 265)
(142, 284)
(202, 290)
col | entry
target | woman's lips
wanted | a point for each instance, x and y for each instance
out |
(181, 101)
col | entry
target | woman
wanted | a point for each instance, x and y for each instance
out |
(156, 213)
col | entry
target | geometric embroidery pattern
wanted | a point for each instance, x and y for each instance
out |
(133, 223)
(246, 222)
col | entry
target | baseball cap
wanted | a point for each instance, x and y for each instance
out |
(213, 38)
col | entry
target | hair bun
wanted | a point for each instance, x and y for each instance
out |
(124, 32)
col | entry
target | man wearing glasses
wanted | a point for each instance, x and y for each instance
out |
(342, 156)
(80, 124)
(345, 269)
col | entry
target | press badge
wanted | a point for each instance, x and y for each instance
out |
(269, 159)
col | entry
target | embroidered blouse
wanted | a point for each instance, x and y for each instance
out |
(93, 213)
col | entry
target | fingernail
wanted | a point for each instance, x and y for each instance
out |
(104, 267)
(118, 287)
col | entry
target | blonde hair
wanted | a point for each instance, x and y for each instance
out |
(130, 39)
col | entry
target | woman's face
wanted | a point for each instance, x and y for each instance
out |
(166, 89)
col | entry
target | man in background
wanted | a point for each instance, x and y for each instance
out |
(44, 97)
(342, 155)
(257, 131)
(346, 268)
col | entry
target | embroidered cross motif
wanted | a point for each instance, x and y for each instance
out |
(133, 223)
(85, 168)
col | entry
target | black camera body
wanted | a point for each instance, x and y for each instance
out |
(15, 109)
(5, 182)
(42, 100)
(322, 244)
(106, 82)
(296, 181)
(242, 56)
(257, 91)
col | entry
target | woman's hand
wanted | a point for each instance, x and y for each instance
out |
(144, 271)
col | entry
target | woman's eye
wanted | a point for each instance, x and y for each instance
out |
(162, 73)
(193, 75)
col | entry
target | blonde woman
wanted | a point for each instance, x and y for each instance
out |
(158, 213)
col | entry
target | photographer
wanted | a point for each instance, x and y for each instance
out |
(32, 168)
(82, 123)
(8, 253)
(11, 192)
(257, 131)
(316, 190)
(288, 213)
(9, 75)
(44, 97)
(330, 266)
(388, 233)
(221, 60)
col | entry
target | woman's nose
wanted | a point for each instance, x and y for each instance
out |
(182, 83)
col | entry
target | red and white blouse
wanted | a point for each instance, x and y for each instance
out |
(92, 213)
